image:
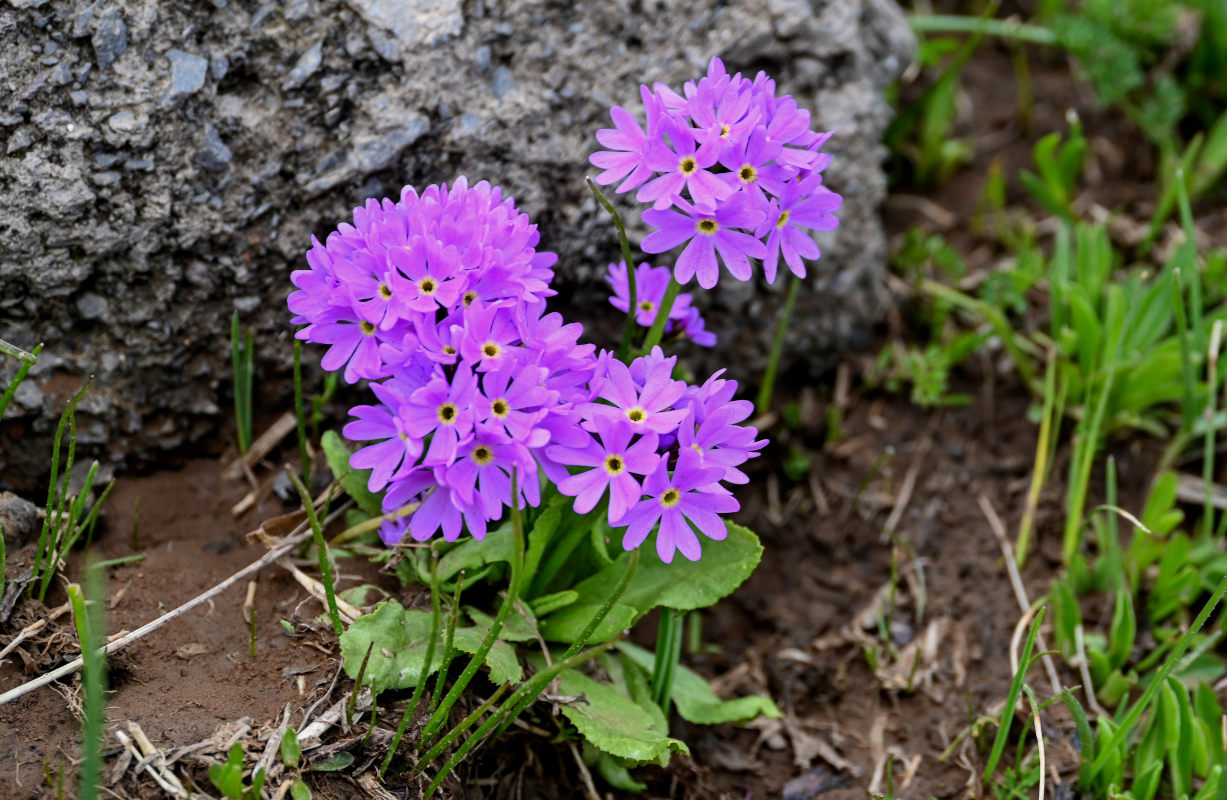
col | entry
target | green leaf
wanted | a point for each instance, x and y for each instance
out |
(613, 722)
(543, 531)
(353, 481)
(683, 585)
(516, 628)
(696, 701)
(569, 623)
(335, 763)
(291, 753)
(548, 604)
(1123, 630)
(300, 790)
(399, 655)
(617, 775)
(471, 554)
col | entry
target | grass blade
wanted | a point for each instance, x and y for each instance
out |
(1007, 714)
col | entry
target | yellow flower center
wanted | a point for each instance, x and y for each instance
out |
(707, 226)
(490, 350)
(647, 305)
(614, 465)
(384, 291)
(427, 285)
(367, 328)
(724, 131)
(637, 414)
(449, 350)
(688, 166)
(482, 455)
(670, 498)
(783, 220)
(747, 173)
(500, 408)
(469, 297)
(447, 413)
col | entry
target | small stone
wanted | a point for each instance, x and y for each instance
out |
(79, 97)
(481, 58)
(297, 10)
(19, 141)
(307, 64)
(110, 38)
(81, 21)
(29, 397)
(61, 75)
(92, 306)
(28, 3)
(83, 71)
(187, 73)
(213, 155)
(218, 67)
(124, 122)
(503, 82)
(18, 517)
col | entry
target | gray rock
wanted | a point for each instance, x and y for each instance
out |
(19, 141)
(213, 154)
(503, 82)
(93, 306)
(18, 518)
(110, 37)
(187, 73)
(170, 211)
(307, 64)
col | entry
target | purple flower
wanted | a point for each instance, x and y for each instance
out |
(647, 404)
(707, 231)
(480, 480)
(650, 285)
(685, 166)
(807, 204)
(612, 461)
(688, 499)
(515, 400)
(628, 146)
(444, 411)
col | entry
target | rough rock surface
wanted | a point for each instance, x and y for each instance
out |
(166, 163)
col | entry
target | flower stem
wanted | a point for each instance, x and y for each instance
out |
(763, 404)
(527, 692)
(436, 615)
(668, 653)
(301, 416)
(1004, 28)
(628, 333)
(657, 331)
(513, 593)
(321, 549)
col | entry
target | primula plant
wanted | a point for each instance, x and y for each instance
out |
(498, 449)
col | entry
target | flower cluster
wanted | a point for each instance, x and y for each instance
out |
(438, 300)
(659, 450)
(650, 285)
(729, 168)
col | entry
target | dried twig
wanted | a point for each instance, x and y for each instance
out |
(263, 445)
(300, 535)
(1020, 592)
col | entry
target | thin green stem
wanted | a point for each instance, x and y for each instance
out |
(301, 415)
(1003, 28)
(669, 636)
(436, 616)
(449, 650)
(321, 550)
(458, 731)
(657, 331)
(17, 353)
(628, 333)
(50, 529)
(87, 613)
(22, 371)
(763, 404)
(527, 692)
(439, 717)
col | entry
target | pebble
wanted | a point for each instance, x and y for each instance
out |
(218, 67)
(213, 155)
(110, 38)
(18, 517)
(187, 73)
(307, 65)
(503, 82)
(124, 122)
(19, 141)
(93, 306)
